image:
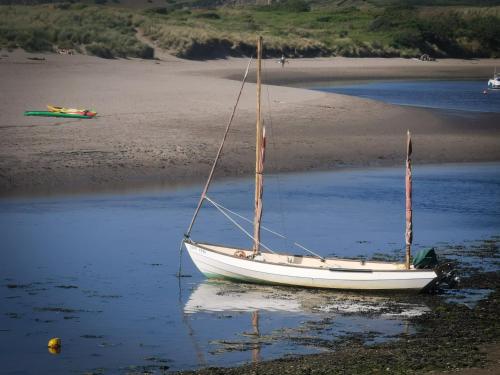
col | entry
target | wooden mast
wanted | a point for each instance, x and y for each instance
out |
(259, 156)
(409, 214)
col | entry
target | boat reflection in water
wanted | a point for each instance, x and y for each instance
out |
(220, 296)
(291, 317)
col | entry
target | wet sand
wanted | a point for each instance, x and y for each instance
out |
(160, 121)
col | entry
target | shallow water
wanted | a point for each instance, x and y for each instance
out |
(98, 271)
(449, 95)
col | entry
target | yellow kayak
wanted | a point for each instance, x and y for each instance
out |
(72, 111)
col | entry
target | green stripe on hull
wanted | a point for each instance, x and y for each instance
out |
(54, 114)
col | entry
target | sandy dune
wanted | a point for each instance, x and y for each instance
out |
(160, 122)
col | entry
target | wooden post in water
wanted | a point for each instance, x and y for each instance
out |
(259, 165)
(409, 215)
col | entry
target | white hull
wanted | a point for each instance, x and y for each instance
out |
(223, 263)
(494, 84)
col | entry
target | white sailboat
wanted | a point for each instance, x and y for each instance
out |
(494, 83)
(268, 267)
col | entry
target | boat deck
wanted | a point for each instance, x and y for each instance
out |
(307, 261)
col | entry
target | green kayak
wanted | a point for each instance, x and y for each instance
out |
(55, 114)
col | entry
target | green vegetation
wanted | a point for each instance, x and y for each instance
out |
(200, 29)
(100, 31)
(442, 34)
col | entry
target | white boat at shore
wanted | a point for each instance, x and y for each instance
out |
(494, 83)
(240, 265)
(260, 264)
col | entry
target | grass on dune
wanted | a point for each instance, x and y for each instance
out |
(293, 27)
(311, 33)
(100, 31)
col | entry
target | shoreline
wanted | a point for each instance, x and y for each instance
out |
(145, 186)
(160, 122)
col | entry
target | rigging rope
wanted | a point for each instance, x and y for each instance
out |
(216, 205)
(309, 251)
(217, 157)
(222, 208)
(250, 221)
(277, 176)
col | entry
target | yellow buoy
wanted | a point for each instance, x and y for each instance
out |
(55, 351)
(54, 345)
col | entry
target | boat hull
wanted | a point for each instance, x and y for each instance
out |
(494, 84)
(55, 114)
(214, 264)
(71, 111)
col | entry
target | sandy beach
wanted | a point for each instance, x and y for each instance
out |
(159, 124)
(160, 121)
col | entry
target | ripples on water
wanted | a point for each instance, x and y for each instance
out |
(98, 271)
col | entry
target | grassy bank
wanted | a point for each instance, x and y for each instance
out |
(200, 30)
(102, 31)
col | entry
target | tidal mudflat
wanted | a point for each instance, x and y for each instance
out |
(160, 122)
(99, 272)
